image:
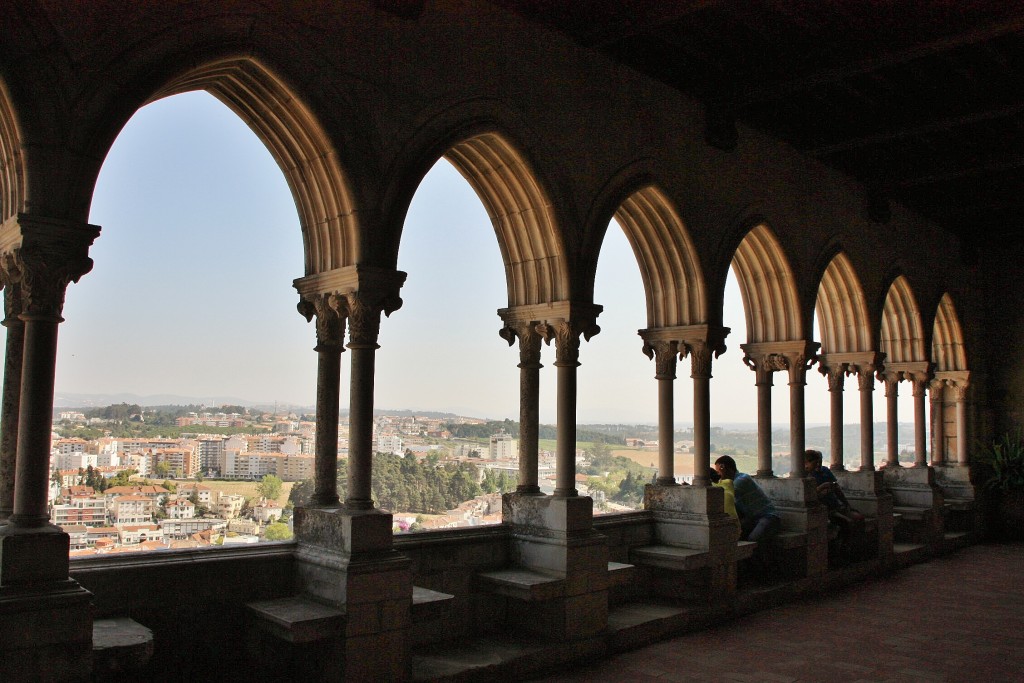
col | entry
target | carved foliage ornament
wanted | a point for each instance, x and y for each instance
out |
(364, 309)
(700, 358)
(330, 311)
(529, 342)
(45, 275)
(664, 355)
(566, 334)
(10, 280)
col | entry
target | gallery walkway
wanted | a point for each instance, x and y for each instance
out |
(954, 618)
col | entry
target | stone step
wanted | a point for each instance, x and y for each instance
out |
(523, 584)
(621, 574)
(745, 550)
(119, 645)
(959, 504)
(670, 557)
(638, 623)
(906, 554)
(910, 514)
(790, 539)
(298, 619)
(429, 604)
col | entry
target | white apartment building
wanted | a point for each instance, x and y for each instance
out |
(211, 451)
(74, 460)
(390, 443)
(131, 510)
(502, 447)
(134, 534)
(68, 446)
(89, 512)
(181, 509)
(183, 528)
(229, 506)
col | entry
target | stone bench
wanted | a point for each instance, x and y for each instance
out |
(119, 645)
(527, 585)
(621, 574)
(959, 504)
(909, 514)
(787, 540)
(745, 550)
(298, 619)
(672, 557)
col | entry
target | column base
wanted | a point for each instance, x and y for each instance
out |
(33, 556)
(47, 633)
(555, 537)
(801, 550)
(346, 558)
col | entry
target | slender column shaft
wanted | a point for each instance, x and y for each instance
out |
(9, 411)
(938, 388)
(797, 437)
(764, 425)
(961, 425)
(701, 430)
(35, 418)
(360, 455)
(565, 448)
(664, 353)
(892, 423)
(666, 431)
(328, 388)
(529, 416)
(836, 380)
(866, 384)
(920, 432)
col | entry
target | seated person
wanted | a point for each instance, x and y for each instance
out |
(730, 494)
(849, 522)
(759, 521)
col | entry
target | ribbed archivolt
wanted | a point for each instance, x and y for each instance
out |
(535, 264)
(303, 151)
(902, 339)
(842, 310)
(668, 263)
(769, 293)
(12, 175)
(948, 352)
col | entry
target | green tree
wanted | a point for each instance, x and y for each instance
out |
(269, 487)
(277, 531)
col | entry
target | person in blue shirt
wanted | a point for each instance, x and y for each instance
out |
(759, 521)
(849, 522)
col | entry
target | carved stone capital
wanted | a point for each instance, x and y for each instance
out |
(766, 365)
(566, 334)
(664, 354)
(799, 363)
(364, 309)
(45, 255)
(919, 385)
(937, 390)
(330, 311)
(529, 342)
(866, 378)
(701, 355)
(836, 375)
(891, 380)
(960, 389)
(10, 280)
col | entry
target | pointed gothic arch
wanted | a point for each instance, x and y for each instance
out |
(671, 272)
(902, 335)
(12, 171)
(301, 147)
(948, 351)
(842, 309)
(536, 270)
(770, 300)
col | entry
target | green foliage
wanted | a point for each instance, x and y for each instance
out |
(1005, 461)
(277, 532)
(122, 478)
(269, 487)
(121, 411)
(407, 485)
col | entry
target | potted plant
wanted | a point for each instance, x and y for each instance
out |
(1002, 476)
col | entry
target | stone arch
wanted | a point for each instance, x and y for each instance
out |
(768, 288)
(299, 144)
(842, 309)
(536, 269)
(668, 262)
(948, 352)
(12, 170)
(902, 334)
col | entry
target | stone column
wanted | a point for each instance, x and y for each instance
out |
(330, 311)
(866, 385)
(919, 382)
(937, 389)
(364, 309)
(700, 371)
(798, 363)
(529, 401)
(836, 375)
(892, 381)
(960, 395)
(10, 276)
(764, 366)
(566, 334)
(664, 354)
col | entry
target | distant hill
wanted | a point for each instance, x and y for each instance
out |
(63, 399)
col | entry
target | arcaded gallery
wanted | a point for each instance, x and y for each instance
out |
(857, 167)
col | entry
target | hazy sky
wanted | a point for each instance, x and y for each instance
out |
(191, 294)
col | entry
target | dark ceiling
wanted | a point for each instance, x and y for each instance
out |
(922, 100)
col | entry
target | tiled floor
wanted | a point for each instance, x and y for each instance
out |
(954, 618)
